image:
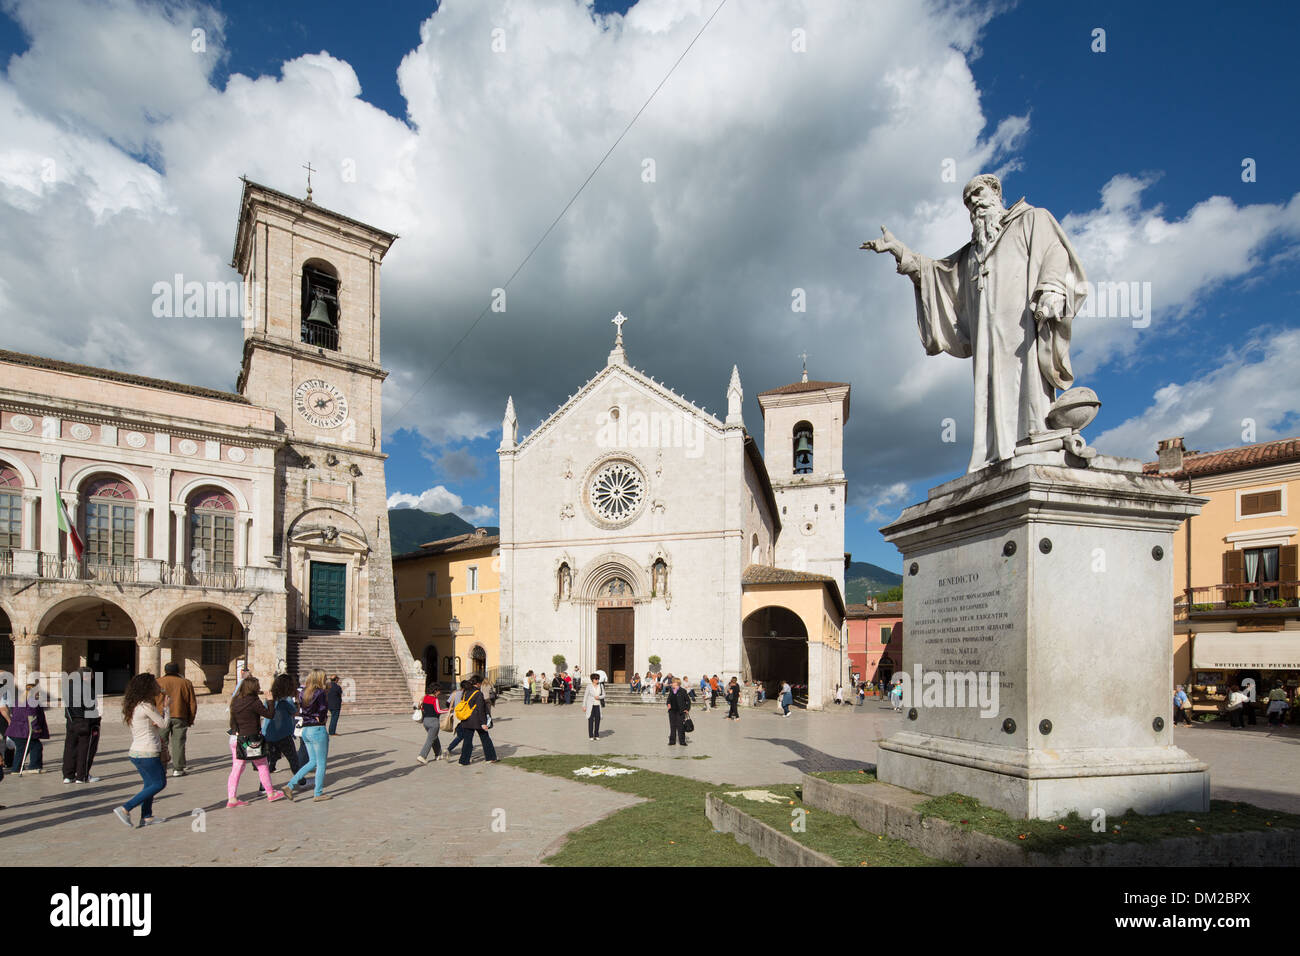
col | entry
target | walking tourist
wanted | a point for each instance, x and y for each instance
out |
(430, 714)
(528, 688)
(592, 699)
(315, 735)
(1277, 705)
(1235, 703)
(184, 708)
(733, 699)
(715, 688)
(27, 728)
(244, 674)
(278, 730)
(82, 718)
(456, 697)
(787, 698)
(334, 699)
(476, 721)
(246, 713)
(557, 689)
(139, 713)
(704, 691)
(679, 708)
(1182, 706)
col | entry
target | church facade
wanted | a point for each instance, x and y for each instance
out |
(634, 524)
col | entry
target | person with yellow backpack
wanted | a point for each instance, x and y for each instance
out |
(472, 712)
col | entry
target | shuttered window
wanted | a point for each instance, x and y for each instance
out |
(1261, 502)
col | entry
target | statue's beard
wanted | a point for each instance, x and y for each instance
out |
(986, 226)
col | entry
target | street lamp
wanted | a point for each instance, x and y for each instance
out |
(103, 620)
(246, 617)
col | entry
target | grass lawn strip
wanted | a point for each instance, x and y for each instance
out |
(837, 837)
(1053, 836)
(845, 776)
(670, 829)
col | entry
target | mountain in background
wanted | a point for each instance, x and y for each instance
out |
(409, 528)
(862, 580)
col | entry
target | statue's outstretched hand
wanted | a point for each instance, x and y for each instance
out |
(886, 243)
(1050, 305)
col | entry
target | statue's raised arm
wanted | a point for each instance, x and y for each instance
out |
(1007, 299)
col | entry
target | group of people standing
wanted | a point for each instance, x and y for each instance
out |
(159, 714)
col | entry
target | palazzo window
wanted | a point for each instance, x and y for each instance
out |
(11, 510)
(212, 532)
(109, 522)
(320, 306)
(886, 634)
(473, 578)
(803, 449)
(1259, 575)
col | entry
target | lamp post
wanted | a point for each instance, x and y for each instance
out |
(246, 618)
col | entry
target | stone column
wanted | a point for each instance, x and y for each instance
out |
(181, 559)
(162, 481)
(49, 509)
(27, 650)
(242, 521)
(30, 497)
(149, 654)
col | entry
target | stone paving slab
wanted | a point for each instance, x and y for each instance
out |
(387, 809)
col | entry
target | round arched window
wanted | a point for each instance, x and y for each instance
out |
(11, 509)
(109, 521)
(212, 531)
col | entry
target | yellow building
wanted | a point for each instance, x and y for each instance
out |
(448, 605)
(1235, 574)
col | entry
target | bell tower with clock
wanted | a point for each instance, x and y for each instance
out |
(311, 353)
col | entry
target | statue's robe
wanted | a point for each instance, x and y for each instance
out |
(985, 310)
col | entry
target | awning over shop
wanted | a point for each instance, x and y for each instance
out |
(1277, 651)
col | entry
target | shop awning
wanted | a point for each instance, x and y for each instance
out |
(1278, 651)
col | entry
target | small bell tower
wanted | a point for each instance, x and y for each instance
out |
(803, 448)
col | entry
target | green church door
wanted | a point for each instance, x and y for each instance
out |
(328, 596)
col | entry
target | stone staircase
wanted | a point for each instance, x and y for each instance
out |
(380, 683)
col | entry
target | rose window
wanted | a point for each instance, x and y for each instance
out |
(617, 492)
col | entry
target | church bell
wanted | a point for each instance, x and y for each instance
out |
(320, 313)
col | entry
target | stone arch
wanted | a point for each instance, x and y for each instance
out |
(72, 630)
(609, 566)
(769, 658)
(85, 473)
(25, 473)
(313, 527)
(190, 642)
(183, 496)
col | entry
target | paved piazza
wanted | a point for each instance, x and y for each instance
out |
(390, 810)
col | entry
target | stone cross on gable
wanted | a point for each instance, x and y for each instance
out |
(804, 356)
(618, 321)
(307, 166)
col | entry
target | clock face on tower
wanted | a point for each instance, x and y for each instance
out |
(321, 403)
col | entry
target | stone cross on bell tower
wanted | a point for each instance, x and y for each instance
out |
(617, 356)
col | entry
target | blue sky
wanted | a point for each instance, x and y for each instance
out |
(1138, 150)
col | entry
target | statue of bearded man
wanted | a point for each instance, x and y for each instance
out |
(1006, 299)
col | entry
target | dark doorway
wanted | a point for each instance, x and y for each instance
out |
(328, 596)
(116, 659)
(614, 641)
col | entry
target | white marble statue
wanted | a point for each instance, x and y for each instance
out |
(1005, 299)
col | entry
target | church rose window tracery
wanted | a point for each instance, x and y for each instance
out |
(617, 492)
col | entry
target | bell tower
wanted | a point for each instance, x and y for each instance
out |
(311, 353)
(803, 448)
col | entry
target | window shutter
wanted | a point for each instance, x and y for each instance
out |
(1234, 573)
(1287, 571)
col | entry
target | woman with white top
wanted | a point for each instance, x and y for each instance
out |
(592, 698)
(139, 713)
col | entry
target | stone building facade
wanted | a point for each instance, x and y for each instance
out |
(636, 524)
(199, 507)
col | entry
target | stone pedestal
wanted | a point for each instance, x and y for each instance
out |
(1050, 589)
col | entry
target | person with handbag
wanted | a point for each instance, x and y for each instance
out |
(1182, 706)
(733, 699)
(139, 713)
(246, 713)
(679, 711)
(592, 698)
(472, 712)
(431, 713)
(314, 707)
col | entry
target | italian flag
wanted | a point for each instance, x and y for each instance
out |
(66, 527)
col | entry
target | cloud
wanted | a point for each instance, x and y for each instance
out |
(439, 500)
(457, 464)
(1244, 400)
(768, 169)
(878, 503)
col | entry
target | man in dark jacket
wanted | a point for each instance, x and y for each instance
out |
(334, 697)
(679, 708)
(82, 717)
(476, 721)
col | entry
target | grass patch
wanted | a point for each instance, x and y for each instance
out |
(845, 776)
(838, 837)
(668, 830)
(1053, 836)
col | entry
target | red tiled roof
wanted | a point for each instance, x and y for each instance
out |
(1231, 459)
(883, 609)
(762, 574)
(460, 542)
(803, 387)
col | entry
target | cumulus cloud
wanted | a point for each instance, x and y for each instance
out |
(439, 500)
(883, 504)
(1246, 399)
(118, 169)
